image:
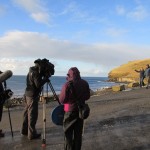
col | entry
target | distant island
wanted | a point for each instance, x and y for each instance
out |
(126, 72)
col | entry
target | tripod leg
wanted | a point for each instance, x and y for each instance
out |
(44, 124)
(44, 119)
(53, 91)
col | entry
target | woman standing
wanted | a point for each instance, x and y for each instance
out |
(72, 124)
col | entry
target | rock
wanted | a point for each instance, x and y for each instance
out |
(133, 84)
(117, 88)
(92, 92)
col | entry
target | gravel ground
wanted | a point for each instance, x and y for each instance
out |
(118, 121)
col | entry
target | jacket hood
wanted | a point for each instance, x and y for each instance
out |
(73, 74)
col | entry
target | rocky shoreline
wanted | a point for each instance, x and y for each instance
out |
(19, 101)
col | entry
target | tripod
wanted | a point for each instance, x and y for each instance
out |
(48, 84)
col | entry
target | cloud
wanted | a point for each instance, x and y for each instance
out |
(78, 14)
(73, 10)
(32, 45)
(41, 17)
(115, 32)
(36, 10)
(138, 14)
(2, 10)
(120, 10)
(18, 66)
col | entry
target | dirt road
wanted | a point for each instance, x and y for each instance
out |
(118, 121)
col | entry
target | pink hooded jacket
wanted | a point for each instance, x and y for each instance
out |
(81, 88)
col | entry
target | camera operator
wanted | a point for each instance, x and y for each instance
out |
(4, 95)
(1, 106)
(36, 78)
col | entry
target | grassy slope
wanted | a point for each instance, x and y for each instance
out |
(127, 70)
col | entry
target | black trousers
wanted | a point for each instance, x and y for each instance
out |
(1, 111)
(30, 116)
(148, 81)
(73, 135)
(141, 81)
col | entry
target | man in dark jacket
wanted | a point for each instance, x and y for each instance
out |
(73, 125)
(147, 75)
(4, 95)
(142, 76)
(35, 80)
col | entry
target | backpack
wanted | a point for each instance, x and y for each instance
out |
(84, 109)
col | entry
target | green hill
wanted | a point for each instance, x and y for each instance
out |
(126, 72)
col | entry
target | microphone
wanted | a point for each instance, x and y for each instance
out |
(5, 75)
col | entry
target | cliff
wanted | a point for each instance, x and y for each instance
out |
(126, 72)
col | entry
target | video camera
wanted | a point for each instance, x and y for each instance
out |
(46, 68)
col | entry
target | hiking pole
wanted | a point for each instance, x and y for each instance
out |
(10, 120)
(5, 85)
(44, 119)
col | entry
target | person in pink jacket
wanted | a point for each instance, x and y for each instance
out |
(72, 124)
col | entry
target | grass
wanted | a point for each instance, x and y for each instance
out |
(128, 70)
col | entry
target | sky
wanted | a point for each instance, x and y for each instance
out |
(95, 36)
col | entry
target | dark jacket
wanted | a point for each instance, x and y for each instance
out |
(34, 82)
(142, 73)
(2, 100)
(81, 87)
(147, 72)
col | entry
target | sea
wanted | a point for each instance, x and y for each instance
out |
(17, 83)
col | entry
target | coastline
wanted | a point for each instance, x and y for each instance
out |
(18, 83)
(19, 100)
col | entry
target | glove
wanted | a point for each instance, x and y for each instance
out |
(46, 79)
(8, 93)
(5, 95)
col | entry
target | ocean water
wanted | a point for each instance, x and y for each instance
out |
(18, 83)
